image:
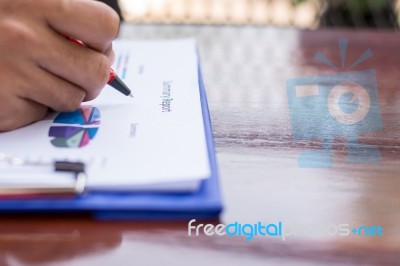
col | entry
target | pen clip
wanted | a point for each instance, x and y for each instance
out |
(76, 168)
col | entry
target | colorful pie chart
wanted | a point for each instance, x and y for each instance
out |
(75, 129)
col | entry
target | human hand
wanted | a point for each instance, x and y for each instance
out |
(39, 68)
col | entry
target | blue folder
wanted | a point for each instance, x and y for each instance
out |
(202, 204)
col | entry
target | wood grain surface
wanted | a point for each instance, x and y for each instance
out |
(245, 71)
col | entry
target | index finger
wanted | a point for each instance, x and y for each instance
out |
(92, 22)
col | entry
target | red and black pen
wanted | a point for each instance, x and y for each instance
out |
(114, 81)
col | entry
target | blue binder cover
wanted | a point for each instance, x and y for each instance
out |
(202, 204)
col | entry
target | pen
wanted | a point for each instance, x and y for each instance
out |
(114, 81)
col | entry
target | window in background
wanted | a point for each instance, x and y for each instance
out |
(259, 12)
(297, 13)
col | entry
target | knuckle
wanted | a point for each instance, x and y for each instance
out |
(73, 101)
(18, 34)
(68, 106)
(102, 72)
(62, 7)
(111, 56)
(100, 79)
(110, 21)
(114, 24)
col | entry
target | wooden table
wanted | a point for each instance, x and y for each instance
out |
(245, 71)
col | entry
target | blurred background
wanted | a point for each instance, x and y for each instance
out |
(247, 64)
(305, 14)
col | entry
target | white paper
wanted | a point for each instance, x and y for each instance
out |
(155, 139)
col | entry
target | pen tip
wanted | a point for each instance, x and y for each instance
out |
(130, 95)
